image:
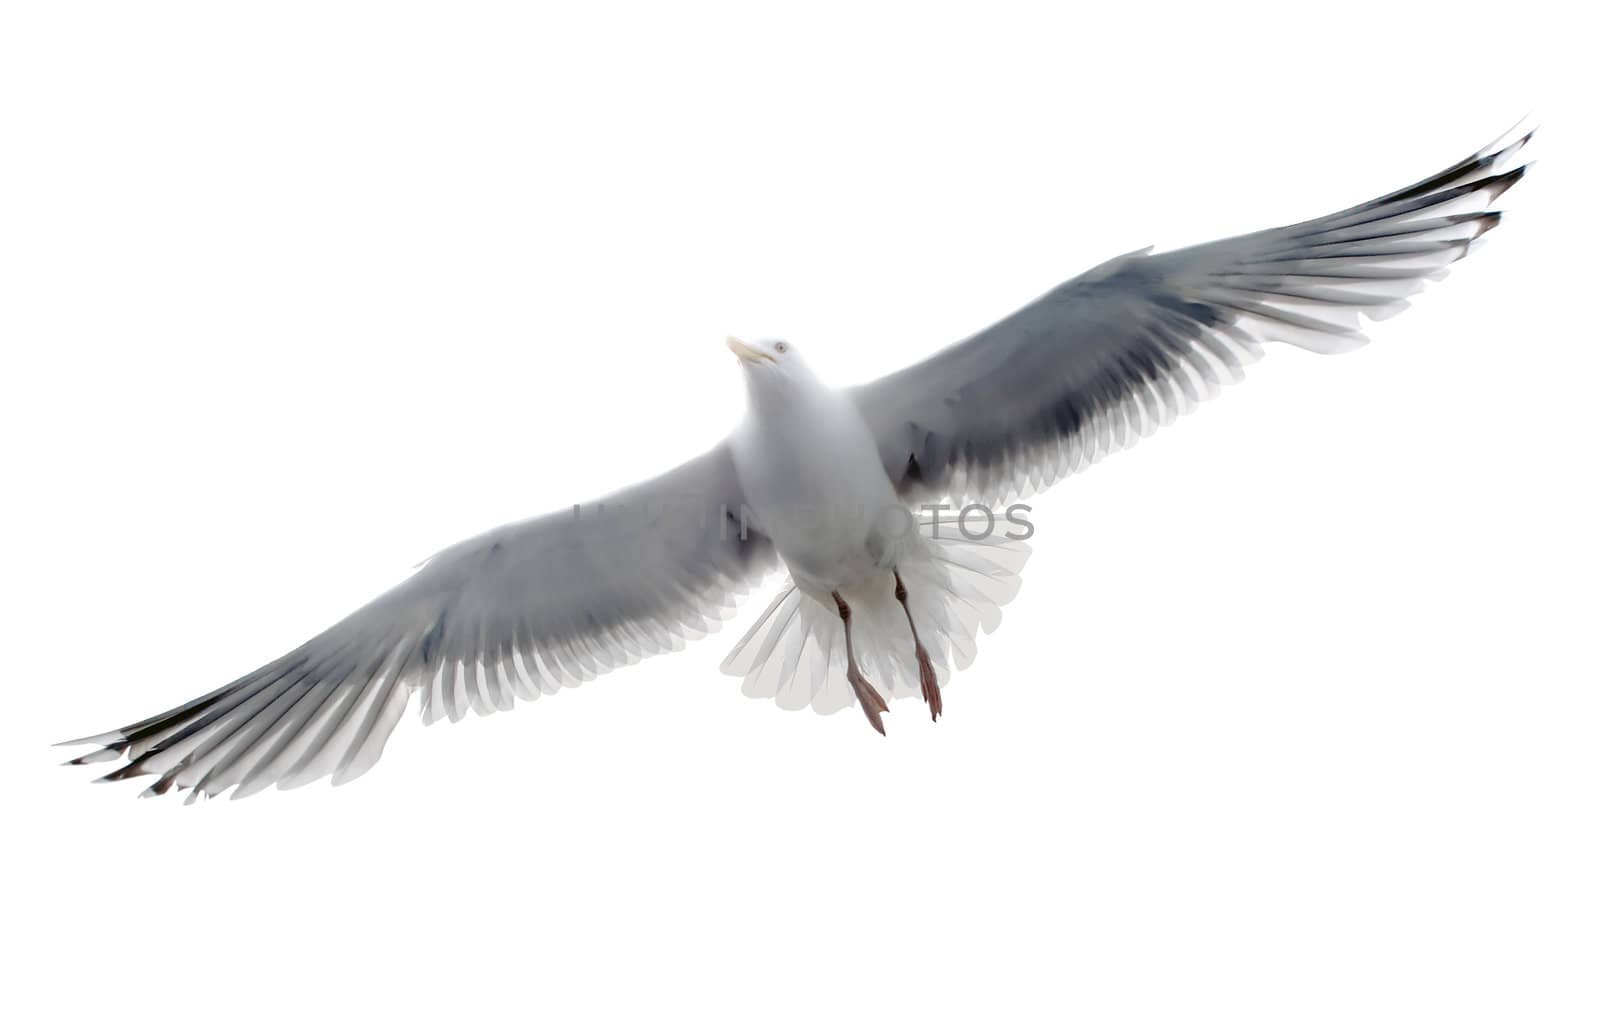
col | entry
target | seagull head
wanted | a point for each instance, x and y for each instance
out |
(761, 353)
(773, 370)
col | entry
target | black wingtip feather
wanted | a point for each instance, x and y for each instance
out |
(160, 787)
(127, 772)
(105, 754)
(111, 738)
(1506, 180)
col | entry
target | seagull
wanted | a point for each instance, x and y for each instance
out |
(877, 501)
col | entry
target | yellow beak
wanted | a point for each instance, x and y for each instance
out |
(747, 353)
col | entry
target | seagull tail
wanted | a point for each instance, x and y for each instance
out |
(955, 588)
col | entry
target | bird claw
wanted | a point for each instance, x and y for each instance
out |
(930, 683)
(872, 702)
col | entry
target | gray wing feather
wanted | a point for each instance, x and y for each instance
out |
(1122, 349)
(508, 615)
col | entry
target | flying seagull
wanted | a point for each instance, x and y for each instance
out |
(835, 487)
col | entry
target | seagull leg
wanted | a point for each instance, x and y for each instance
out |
(871, 701)
(930, 682)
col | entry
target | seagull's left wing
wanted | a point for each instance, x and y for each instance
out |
(520, 610)
(1124, 348)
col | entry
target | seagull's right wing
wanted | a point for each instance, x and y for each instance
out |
(526, 608)
(1122, 349)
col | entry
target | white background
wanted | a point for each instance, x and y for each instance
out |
(1292, 729)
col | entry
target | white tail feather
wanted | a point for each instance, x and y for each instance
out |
(955, 588)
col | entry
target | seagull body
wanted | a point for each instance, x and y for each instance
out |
(809, 468)
(810, 471)
(823, 484)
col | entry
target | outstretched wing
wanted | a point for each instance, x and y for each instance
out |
(514, 612)
(1122, 349)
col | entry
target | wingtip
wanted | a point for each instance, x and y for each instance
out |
(109, 738)
(160, 787)
(127, 772)
(1514, 138)
(105, 754)
(1506, 180)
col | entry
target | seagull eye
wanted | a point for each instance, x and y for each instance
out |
(783, 346)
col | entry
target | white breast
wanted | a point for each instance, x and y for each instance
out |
(812, 476)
